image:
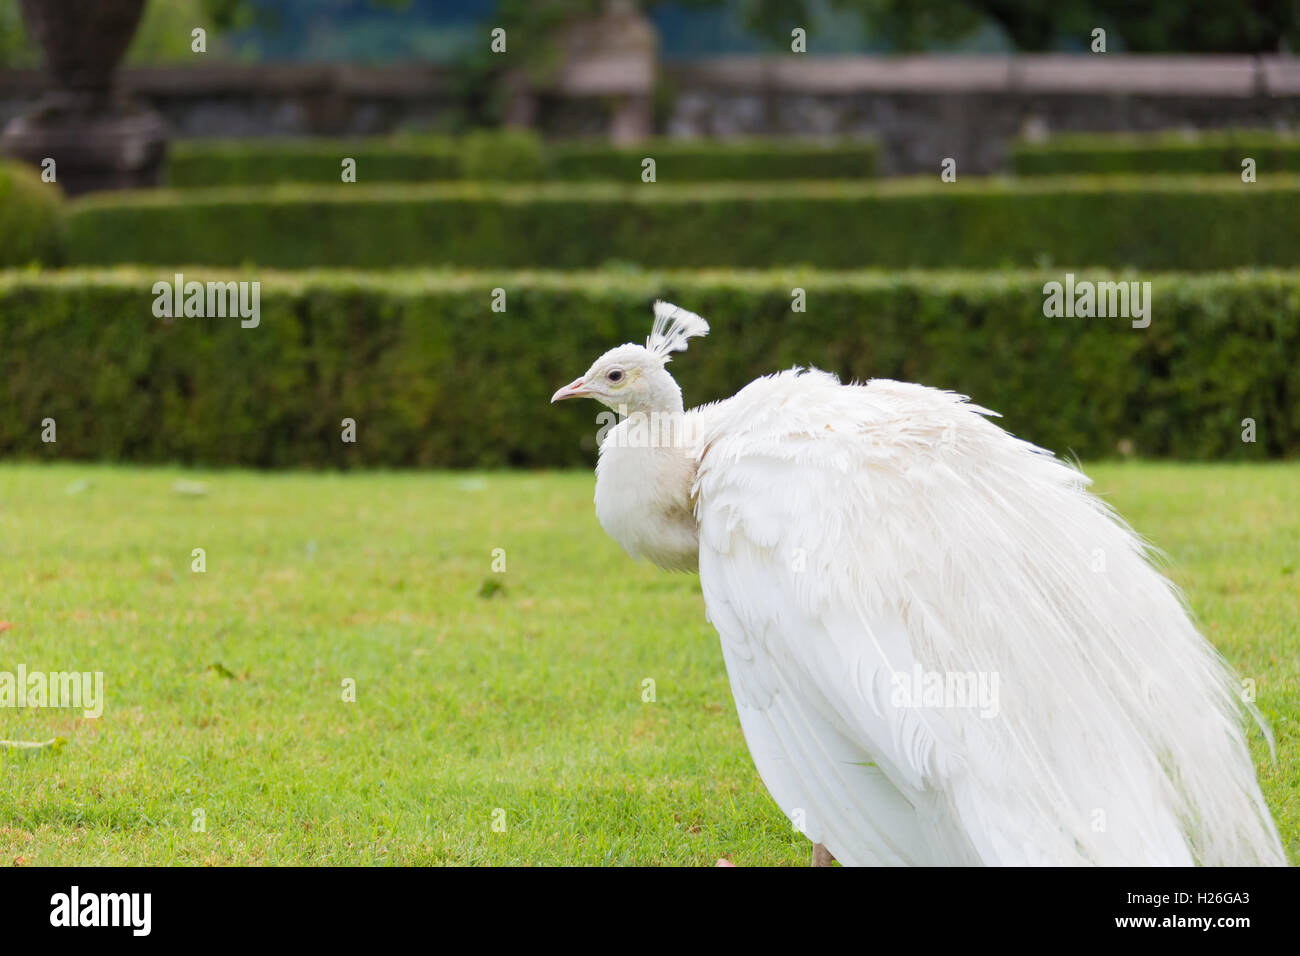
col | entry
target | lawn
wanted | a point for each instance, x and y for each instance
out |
(498, 716)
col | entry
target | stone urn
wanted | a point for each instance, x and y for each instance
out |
(96, 136)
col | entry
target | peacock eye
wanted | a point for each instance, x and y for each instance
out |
(615, 375)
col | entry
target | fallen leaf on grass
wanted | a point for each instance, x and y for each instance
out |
(54, 743)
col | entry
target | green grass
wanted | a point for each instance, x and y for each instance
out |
(224, 688)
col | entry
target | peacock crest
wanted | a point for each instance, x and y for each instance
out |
(673, 326)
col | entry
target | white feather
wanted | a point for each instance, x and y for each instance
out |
(673, 326)
(850, 537)
(851, 533)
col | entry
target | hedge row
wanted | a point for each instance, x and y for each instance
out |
(1183, 224)
(260, 162)
(29, 210)
(509, 156)
(1103, 154)
(701, 161)
(433, 377)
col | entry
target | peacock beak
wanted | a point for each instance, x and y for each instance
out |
(575, 389)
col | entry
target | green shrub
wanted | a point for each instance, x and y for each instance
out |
(501, 155)
(1184, 224)
(1205, 154)
(192, 163)
(29, 210)
(433, 377)
(507, 155)
(683, 161)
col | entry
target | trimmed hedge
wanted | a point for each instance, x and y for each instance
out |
(1103, 154)
(29, 210)
(501, 156)
(679, 161)
(193, 163)
(1184, 224)
(509, 155)
(433, 377)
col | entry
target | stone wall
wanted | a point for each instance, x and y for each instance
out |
(921, 108)
(925, 108)
(275, 100)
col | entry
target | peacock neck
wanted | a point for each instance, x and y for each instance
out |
(643, 488)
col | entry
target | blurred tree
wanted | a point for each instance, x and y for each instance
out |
(165, 31)
(230, 14)
(163, 35)
(443, 30)
(234, 14)
(14, 48)
(354, 30)
(1151, 26)
(1148, 26)
(1210, 26)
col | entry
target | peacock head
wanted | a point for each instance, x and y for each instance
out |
(632, 378)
